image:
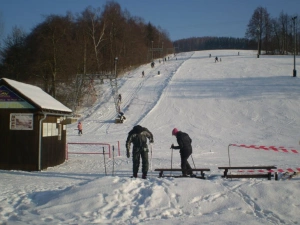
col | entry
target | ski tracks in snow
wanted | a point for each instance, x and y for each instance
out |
(142, 94)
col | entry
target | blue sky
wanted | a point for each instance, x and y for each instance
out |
(181, 18)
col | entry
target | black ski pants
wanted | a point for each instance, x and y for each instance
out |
(185, 166)
(137, 154)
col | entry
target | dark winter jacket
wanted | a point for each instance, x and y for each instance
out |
(185, 143)
(138, 136)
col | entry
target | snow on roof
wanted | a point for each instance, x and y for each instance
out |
(37, 95)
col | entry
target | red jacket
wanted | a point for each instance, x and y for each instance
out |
(79, 126)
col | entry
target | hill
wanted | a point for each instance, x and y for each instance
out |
(240, 100)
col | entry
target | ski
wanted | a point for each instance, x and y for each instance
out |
(179, 176)
(293, 175)
(288, 176)
(140, 178)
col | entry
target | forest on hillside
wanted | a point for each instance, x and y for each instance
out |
(64, 54)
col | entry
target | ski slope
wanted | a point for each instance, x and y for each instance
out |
(240, 100)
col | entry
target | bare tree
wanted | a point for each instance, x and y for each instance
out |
(49, 44)
(257, 26)
(13, 53)
(95, 29)
(1, 27)
(115, 36)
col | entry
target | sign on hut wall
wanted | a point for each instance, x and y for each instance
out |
(10, 100)
(50, 129)
(21, 121)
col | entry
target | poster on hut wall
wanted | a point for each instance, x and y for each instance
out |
(49, 130)
(54, 131)
(21, 121)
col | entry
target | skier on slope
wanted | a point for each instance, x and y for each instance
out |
(185, 146)
(79, 126)
(119, 99)
(138, 136)
(121, 117)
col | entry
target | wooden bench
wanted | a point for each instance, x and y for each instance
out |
(268, 174)
(162, 170)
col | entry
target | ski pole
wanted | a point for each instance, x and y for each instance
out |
(113, 170)
(193, 161)
(104, 161)
(151, 158)
(171, 161)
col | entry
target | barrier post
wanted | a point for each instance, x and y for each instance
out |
(104, 161)
(113, 170)
(67, 152)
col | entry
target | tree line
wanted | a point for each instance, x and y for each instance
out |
(209, 43)
(61, 52)
(273, 35)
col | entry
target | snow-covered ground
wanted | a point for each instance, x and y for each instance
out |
(240, 100)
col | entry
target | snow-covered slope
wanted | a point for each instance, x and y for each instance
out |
(240, 100)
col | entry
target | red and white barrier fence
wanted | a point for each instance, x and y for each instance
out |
(272, 148)
(290, 170)
(268, 148)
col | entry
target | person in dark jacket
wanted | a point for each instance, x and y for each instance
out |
(121, 117)
(119, 99)
(138, 136)
(185, 149)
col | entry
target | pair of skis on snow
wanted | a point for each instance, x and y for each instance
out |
(289, 175)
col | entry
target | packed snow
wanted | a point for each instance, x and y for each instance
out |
(241, 100)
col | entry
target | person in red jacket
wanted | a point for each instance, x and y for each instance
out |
(79, 126)
(185, 149)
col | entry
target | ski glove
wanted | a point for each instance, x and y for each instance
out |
(127, 153)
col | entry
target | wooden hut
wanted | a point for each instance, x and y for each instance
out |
(32, 128)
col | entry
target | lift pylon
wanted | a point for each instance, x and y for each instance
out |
(112, 76)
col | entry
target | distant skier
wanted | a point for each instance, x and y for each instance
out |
(143, 74)
(121, 117)
(119, 98)
(79, 127)
(216, 59)
(138, 136)
(185, 150)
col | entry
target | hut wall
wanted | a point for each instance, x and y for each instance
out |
(53, 147)
(18, 149)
